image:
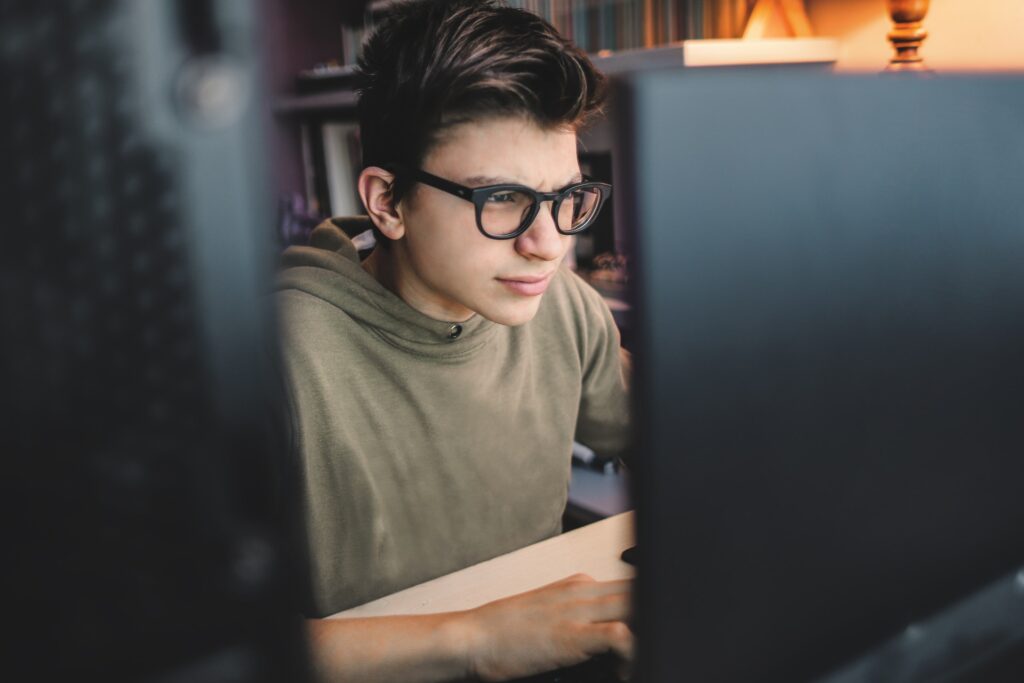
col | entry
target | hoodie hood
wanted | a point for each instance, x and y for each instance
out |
(329, 269)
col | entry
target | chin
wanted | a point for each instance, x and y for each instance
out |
(512, 315)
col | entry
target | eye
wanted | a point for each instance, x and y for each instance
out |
(507, 197)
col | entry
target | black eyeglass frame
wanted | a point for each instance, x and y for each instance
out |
(478, 196)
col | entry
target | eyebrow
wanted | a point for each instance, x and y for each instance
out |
(481, 181)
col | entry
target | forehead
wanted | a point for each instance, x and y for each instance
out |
(505, 149)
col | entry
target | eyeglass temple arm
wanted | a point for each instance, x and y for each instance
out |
(434, 181)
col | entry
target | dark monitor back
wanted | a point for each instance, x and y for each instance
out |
(830, 302)
(146, 508)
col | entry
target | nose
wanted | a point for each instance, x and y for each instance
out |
(542, 239)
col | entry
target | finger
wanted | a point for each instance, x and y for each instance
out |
(616, 607)
(580, 578)
(571, 591)
(618, 586)
(574, 580)
(610, 636)
(596, 589)
(566, 585)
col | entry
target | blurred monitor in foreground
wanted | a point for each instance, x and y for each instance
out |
(148, 535)
(831, 375)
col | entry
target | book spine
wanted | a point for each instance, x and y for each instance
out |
(564, 13)
(670, 22)
(626, 37)
(582, 25)
(649, 22)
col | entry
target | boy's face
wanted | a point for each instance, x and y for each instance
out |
(449, 270)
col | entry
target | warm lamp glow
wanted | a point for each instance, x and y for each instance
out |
(791, 12)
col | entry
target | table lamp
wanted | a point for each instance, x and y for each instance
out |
(907, 34)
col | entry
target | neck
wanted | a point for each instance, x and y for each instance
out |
(388, 267)
(377, 266)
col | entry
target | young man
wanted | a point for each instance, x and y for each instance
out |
(437, 386)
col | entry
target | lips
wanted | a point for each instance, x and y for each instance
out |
(527, 285)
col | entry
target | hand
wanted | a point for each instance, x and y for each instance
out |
(555, 626)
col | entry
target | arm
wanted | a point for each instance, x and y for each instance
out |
(557, 625)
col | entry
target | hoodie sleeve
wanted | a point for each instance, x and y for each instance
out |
(604, 416)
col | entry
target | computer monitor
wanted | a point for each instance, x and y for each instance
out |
(830, 357)
(148, 528)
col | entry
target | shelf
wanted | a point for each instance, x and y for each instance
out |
(708, 53)
(343, 100)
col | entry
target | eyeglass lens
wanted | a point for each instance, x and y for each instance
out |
(505, 211)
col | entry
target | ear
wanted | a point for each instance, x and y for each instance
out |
(375, 191)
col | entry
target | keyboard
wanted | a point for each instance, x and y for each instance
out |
(602, 669)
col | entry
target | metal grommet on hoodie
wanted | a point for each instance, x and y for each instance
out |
(455, 331)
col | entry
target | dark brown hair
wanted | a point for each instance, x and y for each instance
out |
(433, 64)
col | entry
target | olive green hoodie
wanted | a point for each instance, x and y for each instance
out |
(422, 451)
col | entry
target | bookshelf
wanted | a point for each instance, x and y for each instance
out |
(313, 68)
(341, 101)
(338, 97)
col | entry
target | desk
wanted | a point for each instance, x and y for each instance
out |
(593, 549)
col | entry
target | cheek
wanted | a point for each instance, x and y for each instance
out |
(450, 253)
(476, 260)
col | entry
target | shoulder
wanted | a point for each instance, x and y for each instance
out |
(309, 325)
(296, 305)
(570, 292)
(576, 309)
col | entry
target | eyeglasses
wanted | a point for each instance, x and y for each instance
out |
(507, 211)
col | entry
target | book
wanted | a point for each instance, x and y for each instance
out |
(341, 163)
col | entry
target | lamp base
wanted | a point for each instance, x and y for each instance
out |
(908, 34)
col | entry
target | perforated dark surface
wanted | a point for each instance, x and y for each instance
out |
(142, 540)
(98, 247)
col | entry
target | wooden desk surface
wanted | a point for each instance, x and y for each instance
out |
(593, 549)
